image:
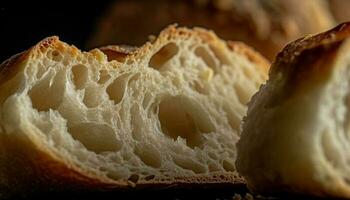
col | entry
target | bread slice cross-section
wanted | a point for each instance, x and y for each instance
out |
(167, 113)
(296, 134)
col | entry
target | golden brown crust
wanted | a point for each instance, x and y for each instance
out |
(250, 53)
(6, 68)
(34, 167)
(120, 53)
(29, 169)
(294, 49)
(302, 59)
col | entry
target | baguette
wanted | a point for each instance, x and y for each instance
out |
(165, 114)
(295, 136)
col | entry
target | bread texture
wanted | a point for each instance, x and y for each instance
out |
(265, 25)
(295, 136)
(165, 114)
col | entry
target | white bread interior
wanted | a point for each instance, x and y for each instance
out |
(170, 111)
(295, 137)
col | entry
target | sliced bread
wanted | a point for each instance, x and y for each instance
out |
(167, 113)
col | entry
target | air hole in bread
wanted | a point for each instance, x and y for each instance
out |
(134, 178)
(207, 57)
(96, 137)
(220, 55)
(147, 100)
(228, 166)
(189, 164)
(117, 88)
(149, 155)
(66, 61)
(163, 55)
(135, 77)
(213, 167)
(180, 117)
(79, 76)
(129, 61)
(116, 175)
(104, 76)
(41, 69)
(55, 55)
(150, 177)
(48, 92)
(92, 96)
(242, 93)
(212, 155)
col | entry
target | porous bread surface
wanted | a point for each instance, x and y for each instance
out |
(168, 112)
(295, 137)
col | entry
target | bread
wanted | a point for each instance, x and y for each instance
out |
(340, 9)
(265, 25)
(295, 134)
(165, 114)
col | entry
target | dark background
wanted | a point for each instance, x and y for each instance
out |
(22, 25)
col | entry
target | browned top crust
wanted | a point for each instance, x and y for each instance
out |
(121, 52)
(250, 53)
(309, 49)
(294, 49)
(306, 60)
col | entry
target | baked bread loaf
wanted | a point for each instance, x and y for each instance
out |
(295, 136)
(165, 114)
(265, 25)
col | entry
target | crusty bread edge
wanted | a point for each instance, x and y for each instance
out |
(121, 52)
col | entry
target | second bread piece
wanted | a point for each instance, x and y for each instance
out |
(167, 113)
(296, 136)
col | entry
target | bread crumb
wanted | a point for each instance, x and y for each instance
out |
(207, 74)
